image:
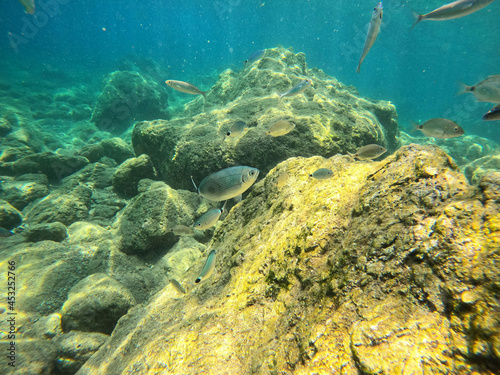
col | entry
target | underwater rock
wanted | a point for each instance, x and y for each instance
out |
(140, 277)
(95, 304)
(83, 232)
(360, 272)
(330, 118)
(24, 189)
(128, 96)
(54, 166)
(97, 175)
(130, 172)
(49, 271)
(10, 217)
(46, 327)
(114, 148)
(75, 348)
(105, 205)
(478, 168)
(65, 205)
(5, 127)
(48, 231)
(146, 221)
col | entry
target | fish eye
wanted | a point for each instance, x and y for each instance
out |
(228, 133)
(456, 129)
(252, 173)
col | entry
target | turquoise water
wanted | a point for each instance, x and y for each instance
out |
(418, 69)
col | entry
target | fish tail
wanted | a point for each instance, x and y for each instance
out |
(463, 88)
(414, 127)
(358, 69)
(417, 18)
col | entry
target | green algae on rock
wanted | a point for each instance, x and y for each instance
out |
(329, 118)
(361, 272)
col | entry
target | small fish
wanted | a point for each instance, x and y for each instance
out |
(29, 6)
(256, 56)
(369, 152)
(493, 114)
(452, 10)
(5, 232)
(2, 310)
(182, 230)
(178, 286)
(299, 89)
(280, 128)
(227, 183)
(439, 128)
(282, 179)
(322, 174)
(208, 268)
(185, 87)
(209, 218)
(485, 91)
(372, 33)
(237, 129)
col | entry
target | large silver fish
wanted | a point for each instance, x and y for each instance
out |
(439, 128)
(485, 91)
(185, 87)
(369, 152)
(452, 10)
(372, 34)
(228, 183)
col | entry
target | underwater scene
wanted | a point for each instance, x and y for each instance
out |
(249, 187)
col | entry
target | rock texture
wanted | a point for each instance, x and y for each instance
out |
(387, 267)
(330, 118)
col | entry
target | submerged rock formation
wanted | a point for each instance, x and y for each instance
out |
(330, 118)
(385, 266)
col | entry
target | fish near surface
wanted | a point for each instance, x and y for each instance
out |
(185, 87)
(452, 10)
(372, 34)
(280, 128)
(493, 114)
(227, 183)
(29, 6)
(298, 89)
(208, 268)
(440, 128)
(485, 91)
(370, 152)
(322, 174)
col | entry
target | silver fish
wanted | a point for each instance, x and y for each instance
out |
(227, 183)
(282, 179)
(485, 91)
(452, 10)
(299, 89)
(185, 87)
(256, 56)
(237, 129)
(182, 230)
(209, 218)
(372, 34)
(369, 152)
(178, 286)
(208, 268)
(493, 114)
(439, 128)
(322, 174)
(280, 128)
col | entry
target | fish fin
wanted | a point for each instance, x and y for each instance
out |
(196, 187)
(414, 127)
(238, 198)
(358, 69)
(417, 18)
(463, 88)
(352, 156)
(223, 207)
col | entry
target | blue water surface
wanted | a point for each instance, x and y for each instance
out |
(418, 70)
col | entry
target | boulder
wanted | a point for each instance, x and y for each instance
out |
(47, 231)
(10, 218)
(130, 172)
(114, 148)
(24, 189)
(95, 304)
(128, 96)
